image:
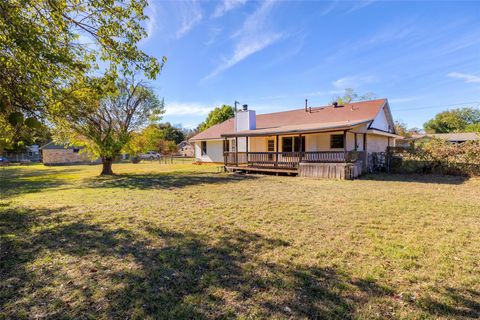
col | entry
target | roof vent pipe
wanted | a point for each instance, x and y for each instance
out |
(245, 107)
(335, 104)
(306, 104)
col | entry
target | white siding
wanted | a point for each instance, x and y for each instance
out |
(214, 151)
(376, 143)
(246, 120)
(381, 122)
(258, 144)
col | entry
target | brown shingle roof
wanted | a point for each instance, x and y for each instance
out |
(349, 114)
(455, 136)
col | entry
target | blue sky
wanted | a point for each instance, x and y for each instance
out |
(272, 55)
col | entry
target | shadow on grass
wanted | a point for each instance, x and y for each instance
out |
(419, 178)
(467, 303)
(17, 181)
(155, 273)
(164, 180)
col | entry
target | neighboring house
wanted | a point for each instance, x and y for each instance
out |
(455, 137)
(32, 153)
(185, 149)
(292, 141)
(58, 154)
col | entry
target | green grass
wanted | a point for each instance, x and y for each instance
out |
(182, 241)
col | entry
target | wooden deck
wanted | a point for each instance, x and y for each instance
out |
(259, 170)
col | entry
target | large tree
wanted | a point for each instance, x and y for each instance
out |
(217, 115)
(455, 120)
(47, 46)
(107, 117)
(171, 133)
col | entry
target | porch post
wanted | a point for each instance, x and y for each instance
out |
(356, 144)
(345, 144)
(247, 148)
(300, 149)
(276, 153)
(236, 151)
(225, 154)
(365, 156)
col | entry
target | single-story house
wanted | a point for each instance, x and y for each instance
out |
(312, 139)
(454, 137)
(185, 149)
(32, 153)
(60, 154)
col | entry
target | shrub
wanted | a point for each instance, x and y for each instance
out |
(439, 156)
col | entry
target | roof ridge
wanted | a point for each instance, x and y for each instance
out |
(323, 107)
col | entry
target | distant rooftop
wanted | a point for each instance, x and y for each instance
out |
(453, 137)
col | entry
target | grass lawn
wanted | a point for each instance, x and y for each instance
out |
(182, 241)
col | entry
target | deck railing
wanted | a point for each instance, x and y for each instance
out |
(289, 160)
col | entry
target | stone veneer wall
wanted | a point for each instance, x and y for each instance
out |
(65, 156)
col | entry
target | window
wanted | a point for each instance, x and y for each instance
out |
(287, 144)
(204, 148)
(296, 144)
(292, 144)
(271, 145)
(76, 150)
(270, 148)
(336, 141)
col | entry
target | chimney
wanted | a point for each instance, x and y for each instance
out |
(245, 119)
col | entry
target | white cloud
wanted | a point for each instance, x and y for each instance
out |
(352, 82)
(213, 34)
(227, 5)
(190, 15)
(468, 78)
(151, 25)
(253, 37)
(360, 5)
(186, 108)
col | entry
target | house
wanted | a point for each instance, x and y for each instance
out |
(60, 154)
(31, 154)
(455, 137)
(185, 149)
(333, 140)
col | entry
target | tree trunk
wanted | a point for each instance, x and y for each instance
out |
(107, 167)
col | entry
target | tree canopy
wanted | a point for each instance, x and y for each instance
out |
(402, 129)
(162, 138)
(171, 133)
(217, 115)
(455, 120)
(49, 49)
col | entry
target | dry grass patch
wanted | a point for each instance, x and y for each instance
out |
(181, 241)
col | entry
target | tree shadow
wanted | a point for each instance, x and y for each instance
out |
(17, 181)
(418, 178)
(164, 180)
(156, 273)
(467, 303)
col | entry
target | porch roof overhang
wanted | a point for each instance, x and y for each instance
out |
(298, 129)
(383, 133)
